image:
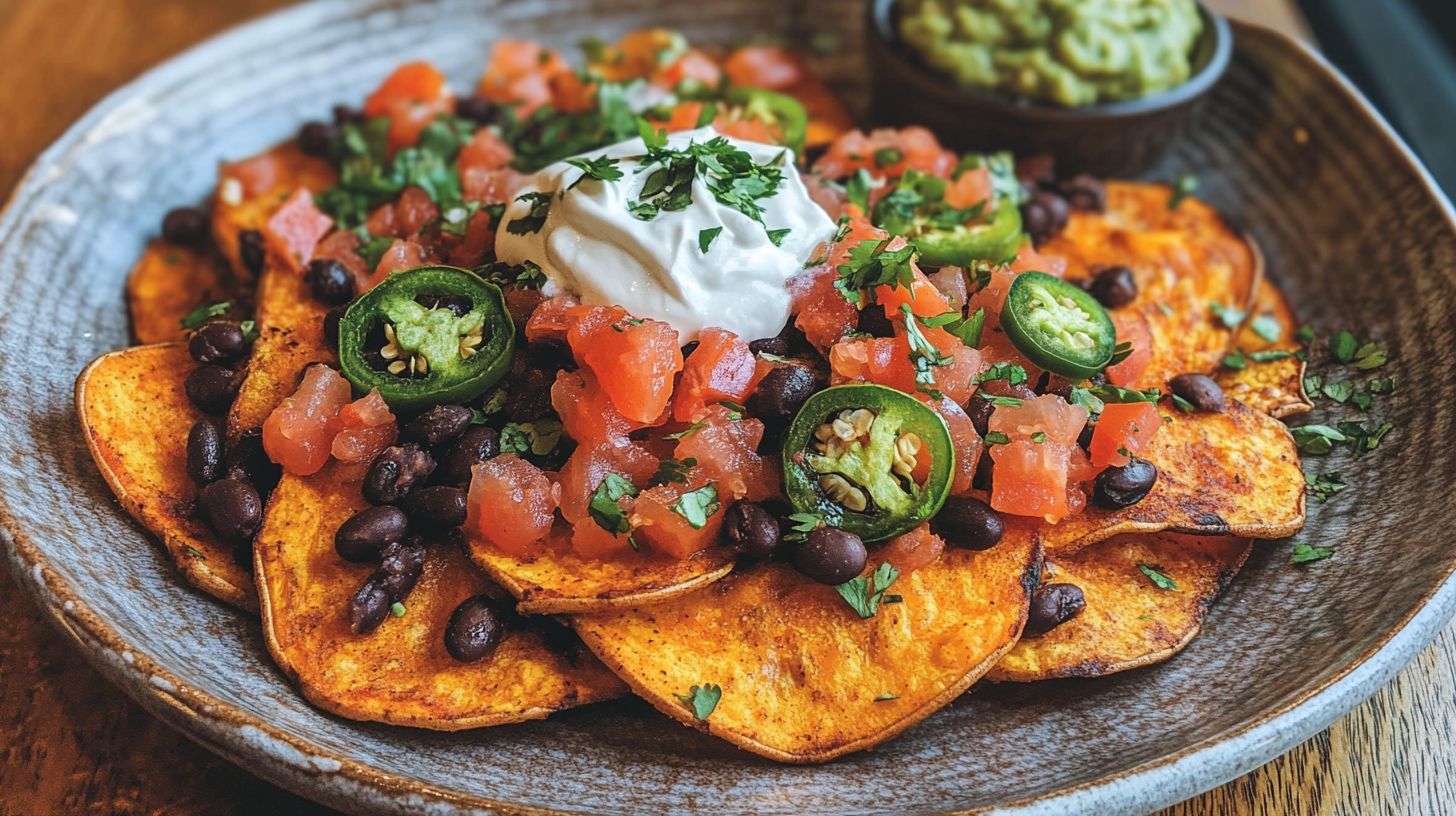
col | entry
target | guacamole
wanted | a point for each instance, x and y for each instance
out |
(1067, 52)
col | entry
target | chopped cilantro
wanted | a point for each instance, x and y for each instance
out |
(1236, 361)
(735, 411)
(195, 553)
(697, 505)
(1369, 356)
(1269, 356)
(1303, 554)
(1339, 391)
(1229, 316)
(864, 593)
(1120, 352)
(857, 188)
(777, 236)
(536, 219)
(1185, 186)
(1012, 374)
(705, 238)
(1039, 437)
(887, 696)
(604, 509)
(1316, 439)
(1325, 485)
(924, 356)
(1096, 398)
(871, 265)
(1305, 335)
(773, 358)
(1182, 404)
(997, 438)
(688, 431)
(601, 168)
(1343, 346)
(1160, 580)
(1267, 327)
(702, 699)
(1363, 440)
(1383, 385)
(673, 471)
(886, 156)
(250, 330)
(1008, 402)
(202, 314)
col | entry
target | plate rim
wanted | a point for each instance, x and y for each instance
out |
(297, 765)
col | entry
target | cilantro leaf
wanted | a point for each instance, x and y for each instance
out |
(1185, 186)
(863, 594)
(1325, 485)
(806, 522)
(924, 356)
(1363, 440)
(1012, 374)
(201, 314)
(1236, 361)
(702, 699)
(1159, 580)
(1316, 439)
(1267, 327)
(997, 438)
(1303, 554)
(601, 168)
(885, 697)
(776, 237)
(1228, 315)
(1343, 346)
(1339, 391)
(1383, 385)
(673, 471)
(533, 221)
(697, 505)
(688, 431)
(705, 238)
(871, 265)
(1369, 356)
(604, 509)
(1269, 356)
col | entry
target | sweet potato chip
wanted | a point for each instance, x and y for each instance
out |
(1235, 473)
(1129, 621)
(170, 282)
(1183, 260)
(290, 338)
(558, 581)
(803, 677)
(400, 673)
(135, 417)
(1274, 386)
(278, 172)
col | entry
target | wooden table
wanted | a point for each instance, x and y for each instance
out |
(71, 743)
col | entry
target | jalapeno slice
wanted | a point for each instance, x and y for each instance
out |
(1059, 327)
(943, 235)
(434, 335)
(779, 109)
(852, 453)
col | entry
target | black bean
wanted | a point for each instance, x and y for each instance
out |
(687, 351)
(248, 461)
(435, 509)
(778, 344)
(528, 397)
(1119, 487)
(438, 425)
(985, 471)
(813, 152)
(478, 444)
(477, 109)
(395, 472)
(331, 324)
(369, 607)
(1085, 193)
(251, 251)
(317, 138)
(980, 411)
(752, 529)
(1084, 439)
(969, 523)
(1201, 391)
(333, 283)
(1114, 287)
(232, 509)
(365, 535)
(243, 557)
(218, 341)
(782, 392)
(344, 114)
(400, 567)
(186, 226)
(1038, 171)
(872, 321)
(550, 355)
(475, 629)
(212, 388)
(1053, 605)
(830, 556)
(204, 452)
(1044, 216)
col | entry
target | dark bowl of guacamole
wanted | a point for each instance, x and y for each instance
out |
(1035, 89)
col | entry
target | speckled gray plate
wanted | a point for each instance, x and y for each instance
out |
(1353, 229)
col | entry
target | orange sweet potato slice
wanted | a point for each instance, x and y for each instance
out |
(290, 338)
(1235, 473)
(803, 677)
(234, 210)
(1183, 260)
(135, 417)
(169, 282)
(400, 673)
(1129, 621)
(1275, 387)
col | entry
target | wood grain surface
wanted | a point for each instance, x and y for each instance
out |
(72, 743)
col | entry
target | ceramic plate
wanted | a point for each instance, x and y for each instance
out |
(1354, 229)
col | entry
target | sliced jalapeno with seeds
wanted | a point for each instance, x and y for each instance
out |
(1059, 327)
(434, 335)
(853, 453)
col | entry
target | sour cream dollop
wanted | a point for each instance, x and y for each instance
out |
(592, 245)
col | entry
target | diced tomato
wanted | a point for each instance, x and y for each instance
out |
(511, 505)
(368, 428)
(827, 194)
(635, 360)
(914, 146)
(299, 434)
(747, 129)
(967, 442)
(476, 246)
(342, 246)
(657, 526)
(1029, 260)
(694, 65)
(256, 175)
(1048, 414)
(589, 465)
(520, 74)
(1031, 478)
(925, 300)
(587, 415)
(295, 229)
(1128, 427)
(400, 255)
(951, 282)
(914, 550)
(485, 173)
(973, 187)
(684, 116)
(593, 542)
(638, 55)
(721, 368)
(824, 316)
(383, 222)
(726, 451)
(571, 94)
(552, 319)
(414, 210)
(764, 66)
(993, 295)
(1132, 328)
(412, 97)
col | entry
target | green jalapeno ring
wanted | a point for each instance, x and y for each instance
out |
(438, 358)
(997, 240)
(1058, 327)
(784, 110)
(892, 506)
